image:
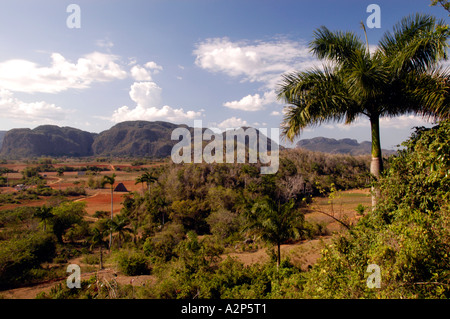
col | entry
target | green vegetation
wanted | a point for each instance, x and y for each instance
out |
(209, 209)
(192, 214)
(408, 235)
(275, 223)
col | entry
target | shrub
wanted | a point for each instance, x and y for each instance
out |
(407, 235)
(66, 216)
(132, 263)
(224, 224)
(162, 245)
(18, 256)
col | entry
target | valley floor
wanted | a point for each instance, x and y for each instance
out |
(303, 253)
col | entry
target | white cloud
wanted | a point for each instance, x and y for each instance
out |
(232, 122)
(258, 61)
(144, 73)
(140, 74)
(254, 62)
(132, 61)
(36, 112)
(26, 76)
(398, 122)
(147, 96)
(252, 102)
(275, 113)
(165, 113)
(153, 66)
(104, 43)
(403, 121)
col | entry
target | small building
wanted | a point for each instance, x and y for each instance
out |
(120, 188)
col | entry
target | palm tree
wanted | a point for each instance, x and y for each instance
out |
(400, 77)
(98, 239)
(44, 213)
(140, 180)
(110, 180)
(148, 178)
(161, 205)
(275, 223)
(119, 225)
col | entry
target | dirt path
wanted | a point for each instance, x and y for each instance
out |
(55, 182)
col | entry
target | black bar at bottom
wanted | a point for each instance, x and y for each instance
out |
(213, 308)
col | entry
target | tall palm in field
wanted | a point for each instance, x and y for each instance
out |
(44, 213)
(119, 225)
(98, 239)
(401, 76)
(275, 222)
(147, 178)
(110, 180)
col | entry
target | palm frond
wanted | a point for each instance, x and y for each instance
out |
(417, 42)
(365, 78)
(337, 46)
(431, 90)
(314, 97)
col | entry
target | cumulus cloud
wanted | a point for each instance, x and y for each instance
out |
(153, 66)
(404, 121)
(104, 43)
(401, 122)
(26, 76)
(254, 102)
(257, 61)
(15, 109)
(232, 122)
(165, 113)
(140, 74)
(147, 96)
(144, 73)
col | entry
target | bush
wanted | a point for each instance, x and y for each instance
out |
(407, 235)
(224, 224)
(101, 214)
(162, 245)
(91, 259)
(18, 256)
(66, 216)
(132, 263)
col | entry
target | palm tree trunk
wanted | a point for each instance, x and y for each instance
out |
(278, 256)
(376, 166)
(101, 257)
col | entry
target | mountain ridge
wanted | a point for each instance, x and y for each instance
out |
(130, 138)
(2, 135)
(341, 146)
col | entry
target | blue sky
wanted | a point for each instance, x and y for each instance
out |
(177, 61)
